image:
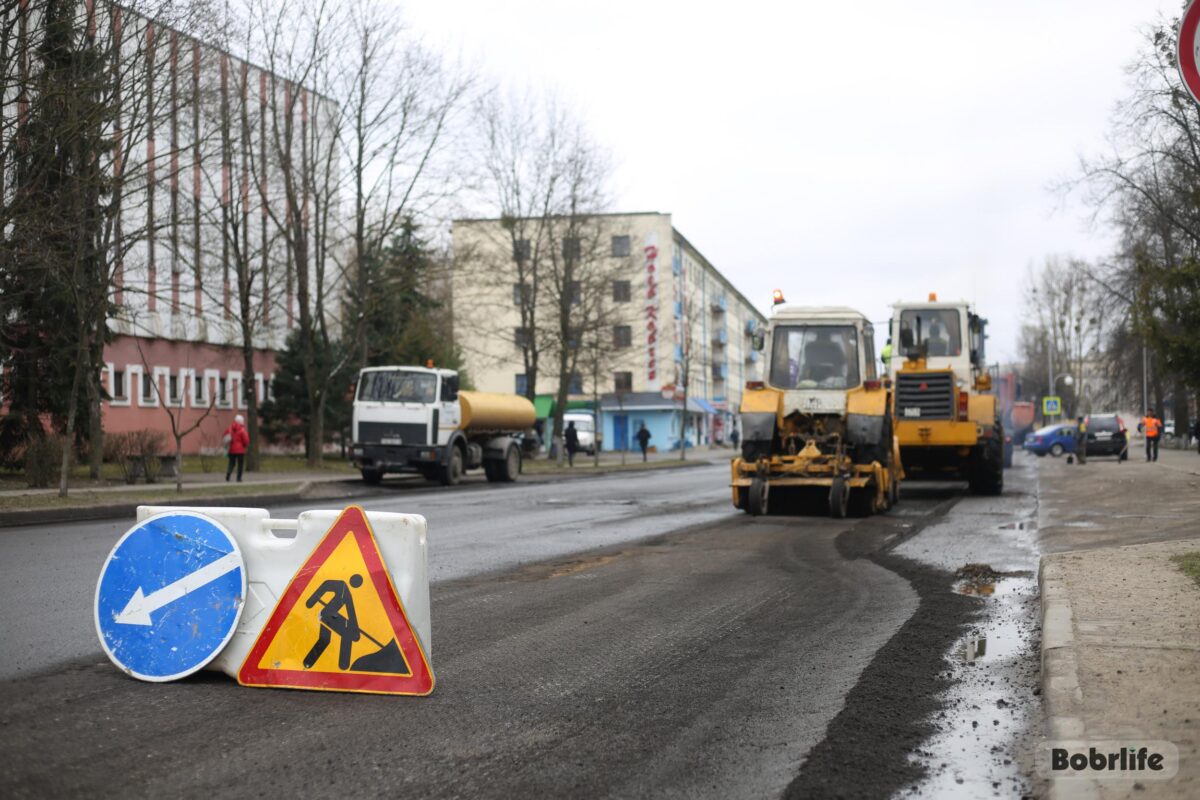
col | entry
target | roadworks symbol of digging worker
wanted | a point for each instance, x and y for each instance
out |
(340, 625)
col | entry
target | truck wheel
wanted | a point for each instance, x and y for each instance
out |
(451, 474)
(372, 477)
(756, 501)
(508, 469)
(839, 498)
(987, 477)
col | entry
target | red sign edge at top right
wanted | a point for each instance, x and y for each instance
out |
(1185, 49)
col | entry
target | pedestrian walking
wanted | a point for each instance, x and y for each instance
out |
(643, 437)
(1151, 426)
(734, 438)
(572, 439)
(236, 442)
(1081, 440)
(1196, 434)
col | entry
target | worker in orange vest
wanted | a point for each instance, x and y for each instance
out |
(1152, 427)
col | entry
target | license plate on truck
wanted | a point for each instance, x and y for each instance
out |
(912, 411)
(391, 440)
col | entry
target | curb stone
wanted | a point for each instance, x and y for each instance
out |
(93, 513)
(1060, 680)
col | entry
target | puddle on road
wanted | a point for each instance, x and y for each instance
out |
(1020, 525)
(991, 699)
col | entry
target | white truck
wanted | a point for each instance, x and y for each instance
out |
(415, 419)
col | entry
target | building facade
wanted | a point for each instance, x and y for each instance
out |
(209, 151)
(675, 319)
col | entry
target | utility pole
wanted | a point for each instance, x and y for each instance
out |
(1049, 375)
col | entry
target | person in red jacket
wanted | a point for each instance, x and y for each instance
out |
(237, 439)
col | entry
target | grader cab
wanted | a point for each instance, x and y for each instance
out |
(818, 427)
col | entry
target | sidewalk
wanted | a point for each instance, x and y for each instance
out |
(1121, 621)
(194, 480)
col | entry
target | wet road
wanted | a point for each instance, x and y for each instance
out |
(48, 572)
(623, 636)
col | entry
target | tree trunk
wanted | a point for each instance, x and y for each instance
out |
(178, 463)
(1182, 416)
(95, 429)
(683, 427)
(316, 426)
(250, 392)
(72, 405)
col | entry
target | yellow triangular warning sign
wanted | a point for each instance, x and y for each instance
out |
(340, 626)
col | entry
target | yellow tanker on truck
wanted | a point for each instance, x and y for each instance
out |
(820, 423)
(416, 419)
(946, 417)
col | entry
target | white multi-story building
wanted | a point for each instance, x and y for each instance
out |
(201, 142)
(673, 314)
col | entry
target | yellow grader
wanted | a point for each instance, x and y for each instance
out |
(820, 423)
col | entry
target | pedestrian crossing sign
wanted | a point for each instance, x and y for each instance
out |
(1051, 406)
(340, 625)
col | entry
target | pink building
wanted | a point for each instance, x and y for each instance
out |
(193, 380)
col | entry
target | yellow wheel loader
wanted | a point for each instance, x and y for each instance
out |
(946, 416)
(819, 426)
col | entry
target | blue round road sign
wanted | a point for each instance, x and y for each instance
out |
(170, 596)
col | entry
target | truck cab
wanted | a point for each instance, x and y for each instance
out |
(816, 354)
(403, 418)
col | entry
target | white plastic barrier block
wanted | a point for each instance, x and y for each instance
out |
(338, 608)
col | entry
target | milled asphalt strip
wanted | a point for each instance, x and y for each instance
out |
(866, 749)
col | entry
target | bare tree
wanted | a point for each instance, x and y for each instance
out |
(400, 101)
(172, 403)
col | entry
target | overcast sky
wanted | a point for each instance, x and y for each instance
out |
(848, 153)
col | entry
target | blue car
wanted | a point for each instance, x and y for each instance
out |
(1052, 439)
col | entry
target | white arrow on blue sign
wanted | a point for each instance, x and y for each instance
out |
(170, 596)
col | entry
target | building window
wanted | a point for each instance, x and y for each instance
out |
(623, 381)
(622, 336)
(622, 291)
(571, 247)
(147, 388)
(222, 391)
(521, 338)
(198, 383)
(522, 294)
(173, 390)
(575, 385)
(620, 246)
(118, 384)
(521, 250)
(575, 292)
(522, 387)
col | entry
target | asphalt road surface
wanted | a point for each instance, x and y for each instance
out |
(628, 635)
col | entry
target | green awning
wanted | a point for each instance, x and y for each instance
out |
(543, 405)
(586, 405)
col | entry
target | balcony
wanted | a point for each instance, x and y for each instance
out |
(720, 372)
(751, 326)
(720, 337)
(719, 304)
(752, 357)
